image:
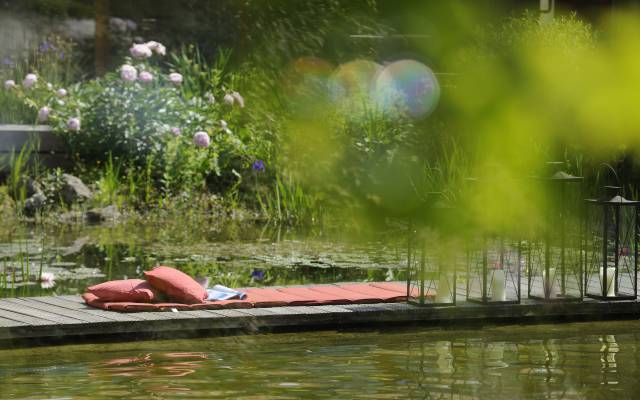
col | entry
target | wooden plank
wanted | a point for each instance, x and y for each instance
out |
(8, 323)
(76, 314)
(256, 312)
(51, 317)
(25, 319)
(112, 315)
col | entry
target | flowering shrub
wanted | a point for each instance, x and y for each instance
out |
(140, 116)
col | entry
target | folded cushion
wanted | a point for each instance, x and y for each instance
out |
(177, 285)
(133, 290)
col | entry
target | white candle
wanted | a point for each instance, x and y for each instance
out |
(498, 292)
(611, 276)
(444, 293)
(553, 288)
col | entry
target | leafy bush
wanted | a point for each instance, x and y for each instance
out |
(176, 123)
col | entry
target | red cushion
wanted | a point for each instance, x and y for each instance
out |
(179, 286)
(319, 297)
(340, 293)
(385, 295)
(133, 290)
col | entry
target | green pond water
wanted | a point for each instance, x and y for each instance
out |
(78, 256)
(559, 361)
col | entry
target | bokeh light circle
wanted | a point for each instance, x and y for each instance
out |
(353, 78)
(409, 86)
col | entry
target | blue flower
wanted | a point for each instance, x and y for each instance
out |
(257, 275)
(61, 55)
(45, 46)
(258, 165)
(7, 61)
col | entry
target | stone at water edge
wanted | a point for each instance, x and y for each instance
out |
(74, 190)
(34, 203)
(97, 215)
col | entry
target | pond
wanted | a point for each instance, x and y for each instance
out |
(560, 361)
(72, 257)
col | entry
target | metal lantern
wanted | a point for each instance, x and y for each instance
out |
(433, 257)
(493, 264)
(554, 263)
(611, 247)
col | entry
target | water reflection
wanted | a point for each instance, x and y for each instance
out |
(571, 361)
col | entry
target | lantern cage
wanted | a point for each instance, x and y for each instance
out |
(611, 247)
(554, 261)
(434, 255)
(493, 271)
(433, 261)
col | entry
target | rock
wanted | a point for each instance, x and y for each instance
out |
(74, 190)
(70, 217)
(97, 215)
(34, 203)
(33, 188)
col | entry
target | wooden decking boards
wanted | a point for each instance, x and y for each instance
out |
(67, 318)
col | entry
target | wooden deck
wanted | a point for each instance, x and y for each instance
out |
(59, 319)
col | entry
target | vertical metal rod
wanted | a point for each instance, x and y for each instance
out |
(563, 217)
(518, 267)
(635, 251)
(409, 260)
(484, 270)
(423, 257)
(605, 225)
(617, 252)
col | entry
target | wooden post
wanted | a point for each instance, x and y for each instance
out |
(102, 36)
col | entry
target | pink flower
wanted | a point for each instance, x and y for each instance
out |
(61, 92)
(140, 51)
(175, 78)
(9, 84)
(128, 73)
(228, 99)
(175, 131)
(238, 98)
(47, 280)
(73, 124)
(146, 77)
(29, 80)
(158, 48)
(43, 114)
(201, 139)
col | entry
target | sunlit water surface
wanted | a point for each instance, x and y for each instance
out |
(560, 361)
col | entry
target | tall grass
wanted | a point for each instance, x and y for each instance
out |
(288, 202)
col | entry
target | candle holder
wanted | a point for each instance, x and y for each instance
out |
(554, 263)
(433, 256)
(611, 247)
(493, 271)
(494, 256)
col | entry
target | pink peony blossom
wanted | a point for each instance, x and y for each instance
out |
(146, 77)
(176, 131)
(201, 139)
(158, 48)
(73, 124)
(43, 114)
(140, 51)
(61, 92)
(128, 73)
(29, 80)
(228, 99)
(9, 84)
(175, 78)
(238, 98)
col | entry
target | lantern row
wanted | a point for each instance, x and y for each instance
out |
(585, 248)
